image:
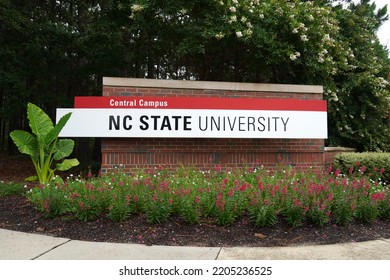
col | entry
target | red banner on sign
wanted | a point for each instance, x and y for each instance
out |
(148, 102)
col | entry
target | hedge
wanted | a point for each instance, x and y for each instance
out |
(371, 161)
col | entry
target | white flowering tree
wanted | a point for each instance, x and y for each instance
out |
(275, 41)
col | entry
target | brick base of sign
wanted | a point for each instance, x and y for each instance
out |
(146, 153)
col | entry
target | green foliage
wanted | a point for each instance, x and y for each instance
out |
(343, 209)
(318, 216)
(51, 53)
(384, 207)
(366, 209)
(376, 164)
(293, 212)
(10, 188)
(119, 210)
(51, 199)
(43, 145)
(263, 215)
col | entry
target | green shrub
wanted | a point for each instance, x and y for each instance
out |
(376, 164)
(11, 188)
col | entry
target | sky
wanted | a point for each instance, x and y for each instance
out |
(384, 31)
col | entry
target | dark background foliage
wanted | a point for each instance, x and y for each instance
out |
(51, 51)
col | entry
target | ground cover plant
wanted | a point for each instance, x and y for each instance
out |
(221, 196)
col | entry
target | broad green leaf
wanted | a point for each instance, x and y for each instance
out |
(26, 142)
(63, 148)
(39, 121)
(67, 164)
(55, 131)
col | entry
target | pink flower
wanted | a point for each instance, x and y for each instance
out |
(90, 187)
(382, 170)
(81, 205)
(46, 205)
(243, 187)
(378, 196)
(330, 196)
(297, 202)
(225, 181)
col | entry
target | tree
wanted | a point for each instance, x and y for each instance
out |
(277, 41)
(54, 50)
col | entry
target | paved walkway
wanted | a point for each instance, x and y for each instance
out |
(24, 246)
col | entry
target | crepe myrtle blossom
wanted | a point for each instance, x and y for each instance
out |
(219, 35)
(295, 55)
(304, 38)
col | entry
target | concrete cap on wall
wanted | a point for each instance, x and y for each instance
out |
(208, 85)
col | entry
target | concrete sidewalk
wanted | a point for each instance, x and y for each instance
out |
(24, 246)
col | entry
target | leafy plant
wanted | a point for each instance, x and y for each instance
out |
(11, 188)
(319, 215)
(263, 215)
(343, 210)
(294, 213)
(50, 199)
(158, 211)
(366, 209)
(43, 145)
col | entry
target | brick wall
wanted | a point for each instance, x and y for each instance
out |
(137, 153)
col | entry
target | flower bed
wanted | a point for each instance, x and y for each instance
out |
(221, 196)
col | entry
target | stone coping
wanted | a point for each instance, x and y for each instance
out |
(339, 149)
(207, 85)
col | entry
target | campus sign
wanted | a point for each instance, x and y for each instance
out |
(191, 117)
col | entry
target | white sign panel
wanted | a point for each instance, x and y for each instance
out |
(194, 123)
